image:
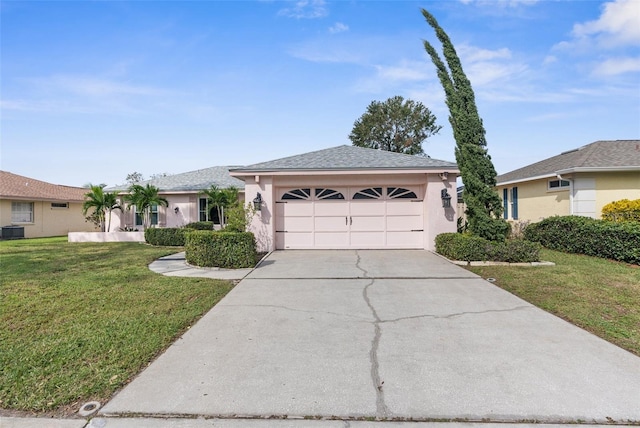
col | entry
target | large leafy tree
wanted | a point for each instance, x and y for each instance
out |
(484, 206)
(102, 203)
(221, 199)
(143, 198)
(396, 125)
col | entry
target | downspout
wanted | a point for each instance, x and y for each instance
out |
(570, 180)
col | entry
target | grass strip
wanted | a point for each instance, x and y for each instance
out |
(78, 321)
(598, 295)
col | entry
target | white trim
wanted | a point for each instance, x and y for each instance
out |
(344, 172)
(599, 169)
(521, 180)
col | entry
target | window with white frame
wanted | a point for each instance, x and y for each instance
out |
(22, 212)
(559, 184)
(59, 205)
(208, 212)
(154, 216)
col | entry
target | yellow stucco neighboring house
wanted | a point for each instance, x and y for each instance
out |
(41, 208)
(575, 182)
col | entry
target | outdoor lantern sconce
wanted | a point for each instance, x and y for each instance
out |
(176, 210)
(257, 202)
(446, 198)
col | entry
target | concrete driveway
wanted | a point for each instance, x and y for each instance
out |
(394, 335)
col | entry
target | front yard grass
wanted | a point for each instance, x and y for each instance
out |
(599, 295)
(78, 321)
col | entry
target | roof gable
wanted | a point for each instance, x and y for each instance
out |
(191, 181)
(20, 187)
(616, 154)
(348, 157)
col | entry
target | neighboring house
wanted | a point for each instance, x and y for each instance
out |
(184, 193)
(350, 197)
(576, 182)
(42, 208)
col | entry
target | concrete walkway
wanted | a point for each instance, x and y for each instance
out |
(365, 335)
(176, 265)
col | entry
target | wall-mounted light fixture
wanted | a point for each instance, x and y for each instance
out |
(176, 210)
(446, 198)
(257, 202)
(444, 176)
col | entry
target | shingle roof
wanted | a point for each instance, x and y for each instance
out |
(14, 186)
(618, 154)
(191, 181)
(347, 158)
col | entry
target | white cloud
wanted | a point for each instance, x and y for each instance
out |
(95, 87)
(405, 71)
(619, 24)
(308, 9)
(615, 66)
(474, 54)
(338, 27)
(501, 3)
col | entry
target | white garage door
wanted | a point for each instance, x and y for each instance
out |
(370, 217)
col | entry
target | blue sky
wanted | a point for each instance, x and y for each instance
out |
(92, 91)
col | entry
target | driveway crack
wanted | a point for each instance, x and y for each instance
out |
(382, 411)
(454, 315)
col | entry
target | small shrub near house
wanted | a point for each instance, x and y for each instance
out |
(200, 225)
(622, 210)
(465, 247)
(584, 235)
(169, 237)
(229, 250)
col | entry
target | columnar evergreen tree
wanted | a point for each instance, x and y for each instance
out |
(484, 206)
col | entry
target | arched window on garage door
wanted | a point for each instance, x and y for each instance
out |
(400, 193)
(297, 194)
(370, 193)
(322, 194)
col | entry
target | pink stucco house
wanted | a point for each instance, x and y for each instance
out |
(350, 197)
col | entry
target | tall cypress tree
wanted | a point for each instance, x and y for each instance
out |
(484, 206)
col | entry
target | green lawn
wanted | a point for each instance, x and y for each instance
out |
(78, 321)
(599, 295)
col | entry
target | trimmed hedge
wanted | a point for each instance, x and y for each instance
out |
(170, 236)
(622, 210)
(584, 235)
(229, 250)
(200, 225)
(459, 246)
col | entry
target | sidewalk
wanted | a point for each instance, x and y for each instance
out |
(176, 265)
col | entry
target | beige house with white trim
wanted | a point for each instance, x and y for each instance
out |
(42, 209)
(575, 182)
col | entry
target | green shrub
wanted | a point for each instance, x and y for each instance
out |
(200, 225)
(622, 210)
(458, 246)
(584, 235)
(220, 249)
(170, 236)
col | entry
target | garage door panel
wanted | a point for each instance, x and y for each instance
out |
(331, 224)
(331, 240)
(296, 224)
(367, 239)
(404, 208)
(404, 240)
(362, 224)
(331, 208)
(299, 209)
(406, 223)
(294, 240)
(368, 208)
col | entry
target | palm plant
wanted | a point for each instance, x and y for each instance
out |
(102, 202)
(221, 199)
(143, 198)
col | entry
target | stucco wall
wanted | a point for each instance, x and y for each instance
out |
(536, 202)
(48, 221)
(613, 186)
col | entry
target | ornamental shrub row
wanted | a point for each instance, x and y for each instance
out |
(622, 210)
(229, 250)
(584, 235)
(460, 246)
(170, 236)
(200, 225)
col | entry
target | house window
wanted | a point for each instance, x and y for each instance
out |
(59, 205)
(207, 212)
(400, 193)
(370, 193)
(559, 184)
(505, 204)
(514, 203)
(154, 216)
(22, 212)
(297, 194)
(328, 194)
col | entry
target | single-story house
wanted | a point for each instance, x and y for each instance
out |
(40, 209)
(183, 191)
(576, 182)
(350, 197)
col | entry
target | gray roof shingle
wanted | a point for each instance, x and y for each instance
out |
(192, 181)
(619, 154)
(347, 158)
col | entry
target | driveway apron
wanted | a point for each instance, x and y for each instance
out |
(395, 335)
